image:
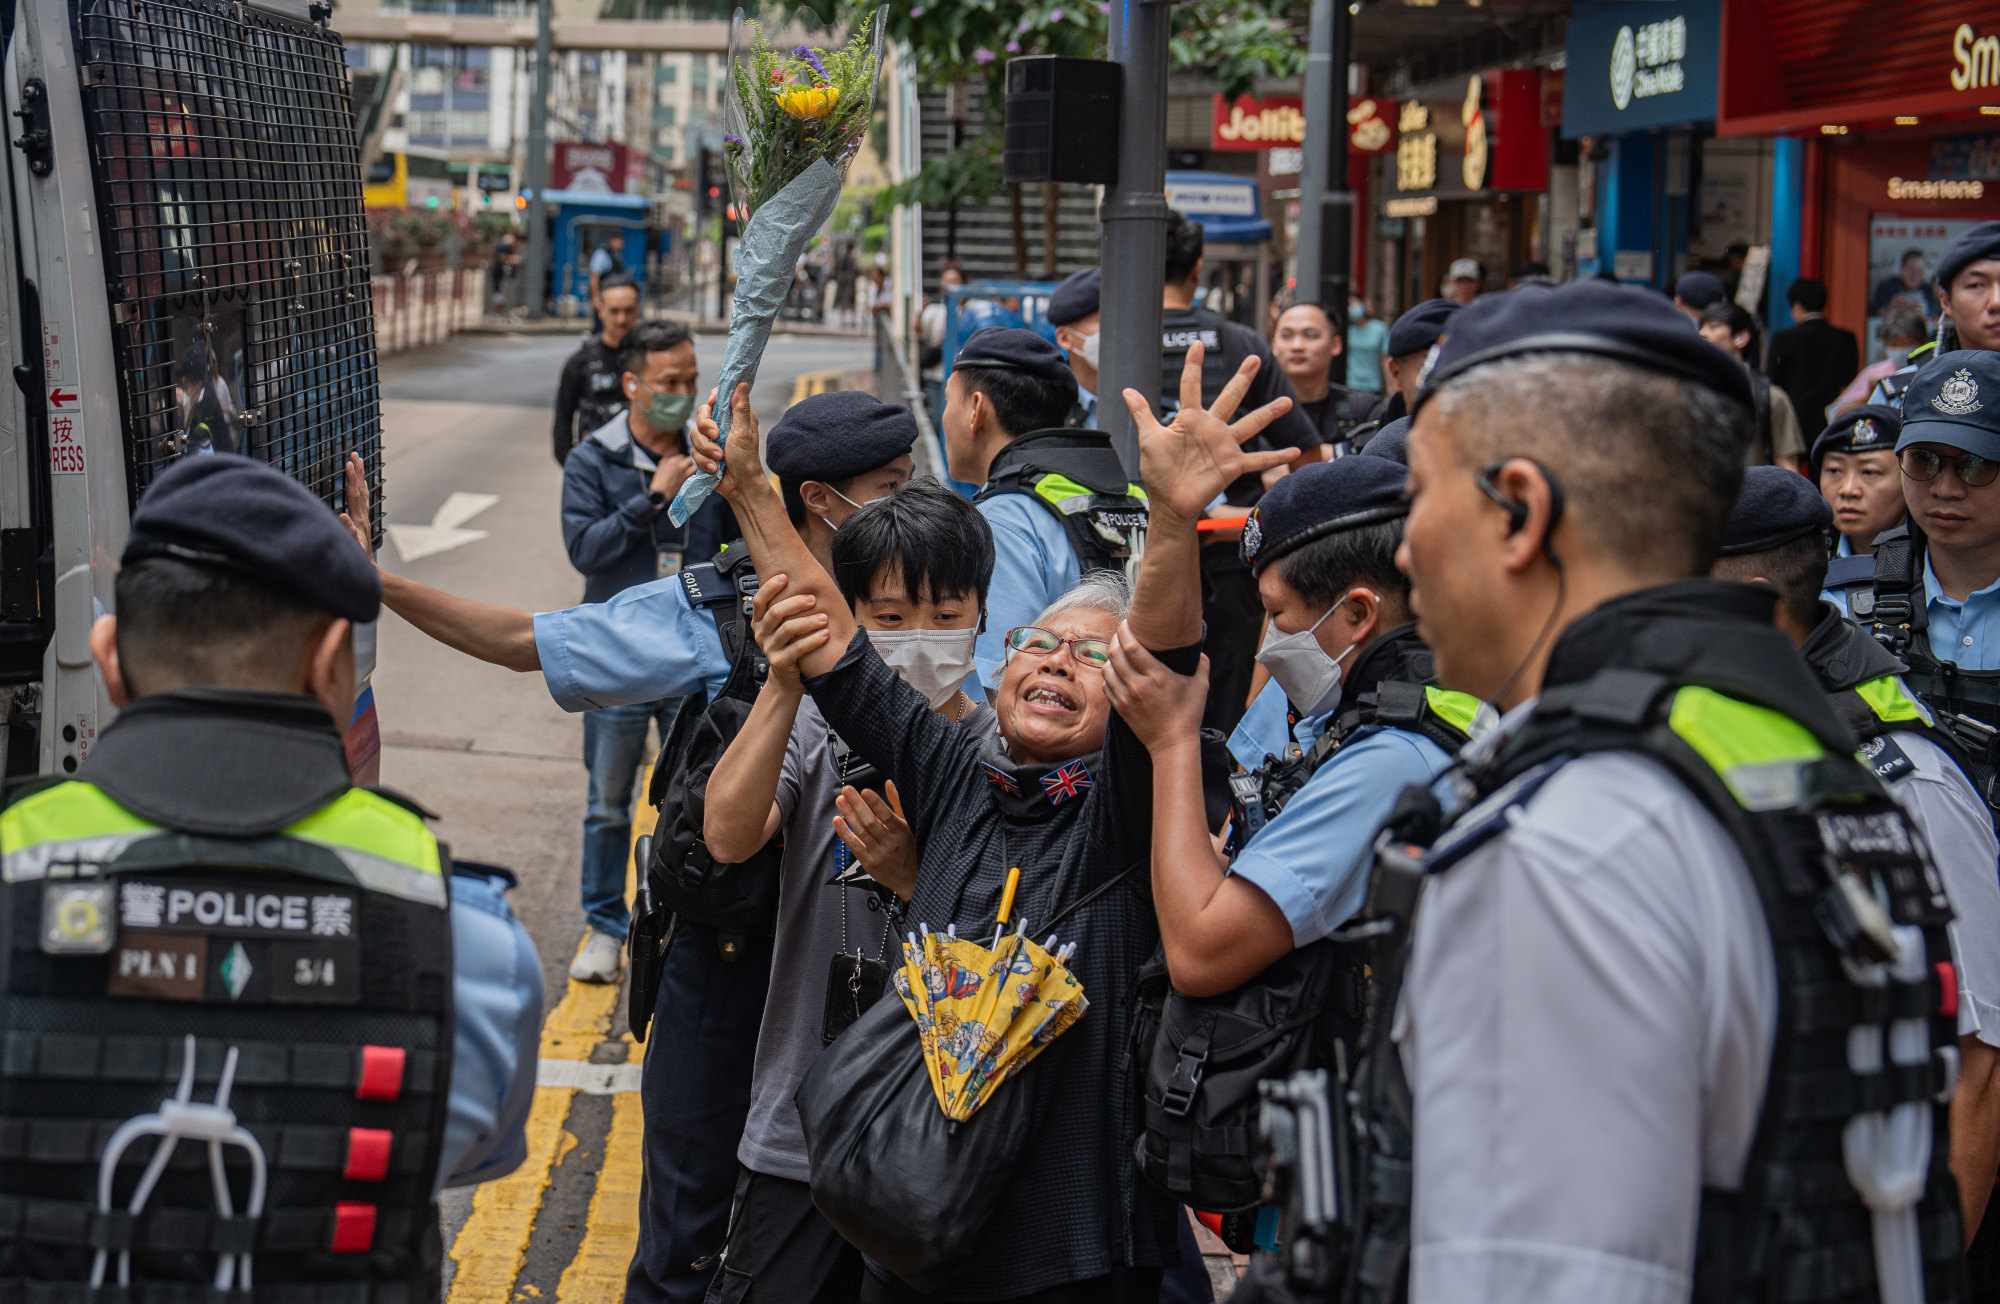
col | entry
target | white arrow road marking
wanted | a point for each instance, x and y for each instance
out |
(590, 1079)
(443, 533)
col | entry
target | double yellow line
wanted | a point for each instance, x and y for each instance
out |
(492, 1247)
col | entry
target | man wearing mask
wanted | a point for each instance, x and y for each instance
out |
(1902, 332)
(1968, 290)
(653, 640)
(1307, 347)
(616, 487)
(1073, 312)
(590, 392)
(1367, 339)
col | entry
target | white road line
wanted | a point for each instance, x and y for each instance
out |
(590, 1079)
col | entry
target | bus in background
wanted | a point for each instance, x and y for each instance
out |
(410, 178)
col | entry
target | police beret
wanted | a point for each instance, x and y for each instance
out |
(1982, 241)
(1416, 330)
(1391, 441)
(1872, 427)
(838, 435)
(232, 513)
(1955, 400)
(1589, 317)
(1010, 348)
(1075, 298)
(1699, 289)
(1775, 506)
(1321, 499)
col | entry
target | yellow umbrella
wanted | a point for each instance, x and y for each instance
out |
(983, 1012)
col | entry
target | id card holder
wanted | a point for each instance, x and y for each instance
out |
(666, 562)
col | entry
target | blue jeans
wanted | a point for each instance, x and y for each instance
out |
(614, 747)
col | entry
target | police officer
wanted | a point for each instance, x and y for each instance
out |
(1343, 648)
(1854, 463)
(1606, 946)
(1073, 312)
(831, 452)
(1057, 498)
(1777, 535)
(208, 911)
(590, 393)
(1968, 291)
(1936, 592)
(1307, 347)
(1410, 340)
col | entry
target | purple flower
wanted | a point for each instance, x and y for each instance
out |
(1104, 8)
(811, 56)
(1025, 24)
(728, 139)
(1055, 15)
(918, 12)
(983, 55)
(1013, 47)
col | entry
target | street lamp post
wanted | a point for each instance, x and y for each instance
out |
(538, 165)
(1134, 217)
(1326, 205)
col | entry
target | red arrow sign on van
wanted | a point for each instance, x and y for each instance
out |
(58, 398)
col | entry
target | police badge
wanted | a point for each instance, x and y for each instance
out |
(1253, 537)
(1863, 433)
(1959, 396)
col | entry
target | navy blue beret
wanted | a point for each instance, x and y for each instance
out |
(1010, 348)
(1075, 298)
(1982, 241)
(1955, 400)
(1391, 441)
(1699, 289)
(837, 436)
(1869, 428)
(1592, 317)
(233, 513)
(1416, 330)
(1321, 499)
(1775, 506)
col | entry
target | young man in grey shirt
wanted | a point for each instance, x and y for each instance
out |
(914, 567)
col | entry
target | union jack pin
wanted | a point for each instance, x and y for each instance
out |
(1061, 785)
(1000, 779)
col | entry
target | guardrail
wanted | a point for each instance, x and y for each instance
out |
(427, 306)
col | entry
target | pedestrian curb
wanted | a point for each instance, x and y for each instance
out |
(580, 328)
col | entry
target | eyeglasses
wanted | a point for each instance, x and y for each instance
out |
(1972, 470)
(1092, 652)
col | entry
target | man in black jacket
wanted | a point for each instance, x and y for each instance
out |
(590, 393)
(1813, 360)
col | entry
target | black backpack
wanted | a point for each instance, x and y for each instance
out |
(682, 881)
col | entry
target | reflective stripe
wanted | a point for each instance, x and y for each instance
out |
(1069, 497)
(1455, 709)
(1891, 701)
(385, 847)
(1760, 754)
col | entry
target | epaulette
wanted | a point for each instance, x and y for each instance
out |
(707, 586)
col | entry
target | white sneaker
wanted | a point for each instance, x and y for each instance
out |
(600, 961)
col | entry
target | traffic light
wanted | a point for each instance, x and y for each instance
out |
(708, 187)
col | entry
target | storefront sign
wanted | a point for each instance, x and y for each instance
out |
(1971, 157)
(1490, 141)
(1279, 121)
(1901, 189)
(1849, 63)
(1634, 64)
(596, 169)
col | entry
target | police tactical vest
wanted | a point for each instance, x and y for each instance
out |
(1897, 383)
(1076, 475)
(289, 1000)
(1864, 686)
(1964, 703)
(1180, 330)
(1826, 846)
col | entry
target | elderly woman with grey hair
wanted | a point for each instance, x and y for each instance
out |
(1064, 792)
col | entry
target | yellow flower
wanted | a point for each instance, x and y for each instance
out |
(815, 102)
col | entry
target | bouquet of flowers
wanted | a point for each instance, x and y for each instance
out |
(796, 120)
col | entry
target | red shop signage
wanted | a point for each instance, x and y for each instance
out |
(1279, 122)
(1791, 65)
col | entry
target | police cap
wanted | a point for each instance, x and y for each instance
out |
(1416, 330)
(232, 513)
(837, 436)
(1775, 506)
(1955, 400)
(1321, 499)
(1700, 289)
(1010, 348)
(1391, 441)
(1593, 317)
(1870, 428)
(1075, 298)
(1982, 241)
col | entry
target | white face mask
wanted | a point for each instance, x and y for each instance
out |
(1301, 666)
(1089, 348)
(844, 498)
(932, 661)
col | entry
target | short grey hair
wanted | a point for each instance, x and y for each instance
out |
(1098, 590)
(1650, 464)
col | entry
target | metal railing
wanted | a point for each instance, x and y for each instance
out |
(419, 308)
(895, 384)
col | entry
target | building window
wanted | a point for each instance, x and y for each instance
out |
(669, 74)
(469, 126)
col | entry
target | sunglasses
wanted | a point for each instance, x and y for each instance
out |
(1972, 470)
(1092, 652)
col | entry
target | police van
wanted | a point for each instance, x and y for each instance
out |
(189, 273)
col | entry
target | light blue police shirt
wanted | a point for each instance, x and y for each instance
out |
(600, 261)
(1838, 597)
(1314, 859)
(1262, 730)
(642, 645)
(1088, 402)
(1967, 632)
(1033, 565)
(496, 992)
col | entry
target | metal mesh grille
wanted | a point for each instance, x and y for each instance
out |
(229, 188)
